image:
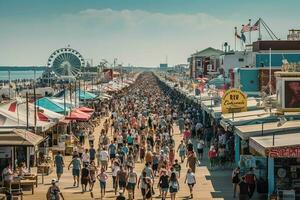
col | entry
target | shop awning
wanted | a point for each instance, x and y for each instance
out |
(50, 105)
(19, 137)
(285, 145)
(78, 115)
(64, 121)
(85, 109)
(85, 95)
(247, 131)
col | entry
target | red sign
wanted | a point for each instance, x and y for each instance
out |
(284, 152)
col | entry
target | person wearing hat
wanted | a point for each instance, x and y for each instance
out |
(53, 192)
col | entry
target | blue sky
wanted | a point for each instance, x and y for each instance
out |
(139, 32)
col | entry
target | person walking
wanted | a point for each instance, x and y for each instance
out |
(131, 183)
(121, 178)
(148, 189)
(200, 149)
(59, 164)
(93, 171)
(76, 169)
(85, 177)
(92, 152)
(177, 168)
(190, 179)
(104, 157)
(182, 151)
(85, 157)
(235, 180)
(191, 162)
(251, 181)
(142, 184)
(212, 155)
(112, 149)
(115, 169)
(244, 189)
(53, 192)
(174, 185)
(102, 177)
(91, 138)
(163, 184)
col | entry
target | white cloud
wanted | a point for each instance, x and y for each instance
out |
(135, 36)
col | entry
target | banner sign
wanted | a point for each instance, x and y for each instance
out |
(233, 101)
(284, 152)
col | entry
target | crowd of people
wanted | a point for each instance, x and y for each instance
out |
(139, 127)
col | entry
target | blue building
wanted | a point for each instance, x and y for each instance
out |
(250, 68)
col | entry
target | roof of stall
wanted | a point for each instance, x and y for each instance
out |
(286, 145)
(247, 131)
(78, 115)
(19, 137)
(49, 104)
(13, 115)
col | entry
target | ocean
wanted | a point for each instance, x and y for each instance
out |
(14, 75)
(20, 72)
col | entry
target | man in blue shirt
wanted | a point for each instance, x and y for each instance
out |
(59, 163)
(112, 151)
(92, 153)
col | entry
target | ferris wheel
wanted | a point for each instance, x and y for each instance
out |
(66, 62)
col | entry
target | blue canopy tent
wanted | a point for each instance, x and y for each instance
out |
(84, 95)
(49, 104)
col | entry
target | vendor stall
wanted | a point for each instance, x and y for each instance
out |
(283, 152)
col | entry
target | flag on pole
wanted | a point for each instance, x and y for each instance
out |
(243, 37)
(255, 26)
(236, 34)
(246, 28)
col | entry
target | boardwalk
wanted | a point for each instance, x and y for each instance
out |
(210, 185)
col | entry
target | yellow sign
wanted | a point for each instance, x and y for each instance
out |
(234, 100)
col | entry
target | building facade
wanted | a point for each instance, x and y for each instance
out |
(204, 62)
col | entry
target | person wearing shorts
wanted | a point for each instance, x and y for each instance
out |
(174, 185)
(163, 183)
(121, 178)
(112, 151)
(102, 177)
(142, 183)
(76, 169)
(190, 179)
(131, 183)
(104, 158)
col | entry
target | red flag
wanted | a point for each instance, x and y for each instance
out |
(246, 28)
(255, 26)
